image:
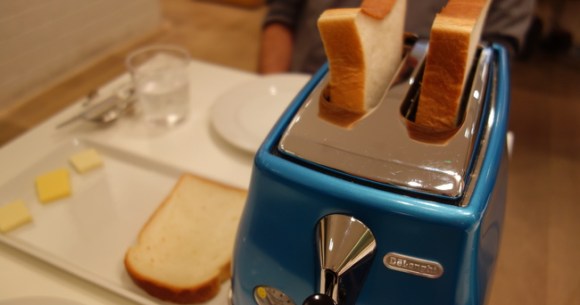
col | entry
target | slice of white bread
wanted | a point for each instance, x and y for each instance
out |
(183, 253)
(364, 48)
(455, 34)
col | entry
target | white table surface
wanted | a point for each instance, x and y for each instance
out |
(192, 146)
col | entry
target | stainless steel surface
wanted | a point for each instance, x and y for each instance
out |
(413, 265)
(344, 245)
(106, 111)
(378, 147)
(265, 295)
(484, 137)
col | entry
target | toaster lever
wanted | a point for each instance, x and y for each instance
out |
(346, 247)
(319, 299)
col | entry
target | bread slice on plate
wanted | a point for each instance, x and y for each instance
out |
(364, 48)
(455, 35)
(183, 253)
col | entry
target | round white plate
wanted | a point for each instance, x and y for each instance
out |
(38, 301)
(244, 115)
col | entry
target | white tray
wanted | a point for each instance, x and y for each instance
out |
(88, 233)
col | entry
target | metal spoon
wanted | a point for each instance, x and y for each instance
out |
(105, 112)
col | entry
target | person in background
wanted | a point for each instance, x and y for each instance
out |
(558, 38)
(291, 42)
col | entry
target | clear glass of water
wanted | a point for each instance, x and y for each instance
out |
(161, 80)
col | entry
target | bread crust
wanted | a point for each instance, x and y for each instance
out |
(345, 58)
(377, 9)
(181, 295)
(448, 62)
(201, 292)
(334, 114)
(442, 87)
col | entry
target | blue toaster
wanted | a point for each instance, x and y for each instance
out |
(369, 215)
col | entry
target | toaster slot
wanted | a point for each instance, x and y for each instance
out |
(411, 102)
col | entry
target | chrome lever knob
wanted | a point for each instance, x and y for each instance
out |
(346, 247)
(319, 299)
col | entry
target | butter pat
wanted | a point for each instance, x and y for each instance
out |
(53, 185)
(13, 215)
(86, 160)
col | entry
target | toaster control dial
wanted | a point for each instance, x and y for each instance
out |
(265, 295)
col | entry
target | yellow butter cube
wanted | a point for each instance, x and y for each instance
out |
(53, 185)
(13, 215)
(86, 160)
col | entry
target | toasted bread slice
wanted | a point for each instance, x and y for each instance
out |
(364, 48)
(183, 253)
(455, 34)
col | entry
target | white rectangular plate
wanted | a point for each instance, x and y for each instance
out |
(88, 233)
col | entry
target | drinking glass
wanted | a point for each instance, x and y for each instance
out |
(161, 81)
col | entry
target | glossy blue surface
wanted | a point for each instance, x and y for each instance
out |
(276, 238)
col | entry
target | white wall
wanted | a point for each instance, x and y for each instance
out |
(42, 40)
